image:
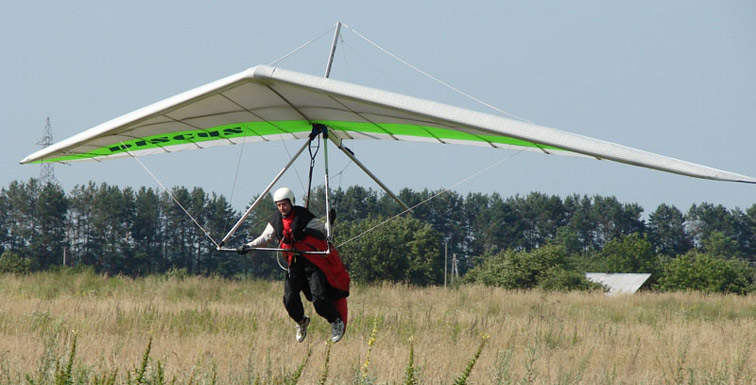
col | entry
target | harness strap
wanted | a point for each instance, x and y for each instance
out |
(315, 133)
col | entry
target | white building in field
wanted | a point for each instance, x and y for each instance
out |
(619, 283)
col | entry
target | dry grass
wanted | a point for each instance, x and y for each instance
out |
(205, 330)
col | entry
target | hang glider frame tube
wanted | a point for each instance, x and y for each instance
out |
(317, 129)
(333, 49)
(322, 129)
(324, 132)
(359, 164)
(308, 252)
(260, 198)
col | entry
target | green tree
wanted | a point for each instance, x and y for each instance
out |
(442, 209)
(749, 221)
(706, 218)
(666, 231)
(546, 267)
(630, 254)
(743, 235)
(199, 244)
(146, 230)
(580, 224)
(82, 240)
(355, 203)
(490, 224)
(402, 250)
(704, 272)
(564, 279)
(476, 213)
(540, 216)
(13, 263)
(34, 221)
(613, 219)
(177, 228)
(568, 238)
(388, 206)
(50, 219)
(597, 220)
(5, 219)
(19, 201)
(111, 217)
(445, 214)
(720, 245)
(220, 216)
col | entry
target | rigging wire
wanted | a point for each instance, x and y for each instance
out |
(173, 197)
(447, 85)
(284, 57)
(344, 56)
(333, 177)
(385, 74)
(288, 153)
(341, 173)
(441, 191)
(236, 177)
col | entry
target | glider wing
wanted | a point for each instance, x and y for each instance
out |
(266, 103)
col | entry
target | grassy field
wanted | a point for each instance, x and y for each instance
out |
(84, 328)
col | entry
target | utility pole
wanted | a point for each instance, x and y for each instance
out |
(446, 259)
(46, 172)
(454, 272)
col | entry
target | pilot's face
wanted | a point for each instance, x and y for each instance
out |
(284, 207)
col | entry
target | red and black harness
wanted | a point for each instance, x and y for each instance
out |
(293, 234)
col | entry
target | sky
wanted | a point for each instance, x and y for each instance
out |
(672, 77)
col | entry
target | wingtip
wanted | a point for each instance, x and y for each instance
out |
(28, 159)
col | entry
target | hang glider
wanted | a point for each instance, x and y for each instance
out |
(266, 103)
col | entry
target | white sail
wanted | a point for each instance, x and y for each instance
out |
(266, 103)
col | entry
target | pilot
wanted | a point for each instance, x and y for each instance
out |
(322, 278)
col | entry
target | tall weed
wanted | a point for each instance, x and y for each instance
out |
(462, 379)
(410, 374)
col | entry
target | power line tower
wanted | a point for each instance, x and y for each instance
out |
(46, 172)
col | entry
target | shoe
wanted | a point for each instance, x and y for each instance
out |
(302, 329)
(337, 330)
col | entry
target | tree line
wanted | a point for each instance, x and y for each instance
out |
(537, 240)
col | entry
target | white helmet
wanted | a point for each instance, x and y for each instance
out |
(283, 193)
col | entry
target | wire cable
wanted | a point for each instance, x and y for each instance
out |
(296, 171)
(284, 57)
(217, 245)
(440, 191)
(236, 177)
(439, 81)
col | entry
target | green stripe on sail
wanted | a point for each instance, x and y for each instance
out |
(428, 132)
(257, 129)
(228, 131)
